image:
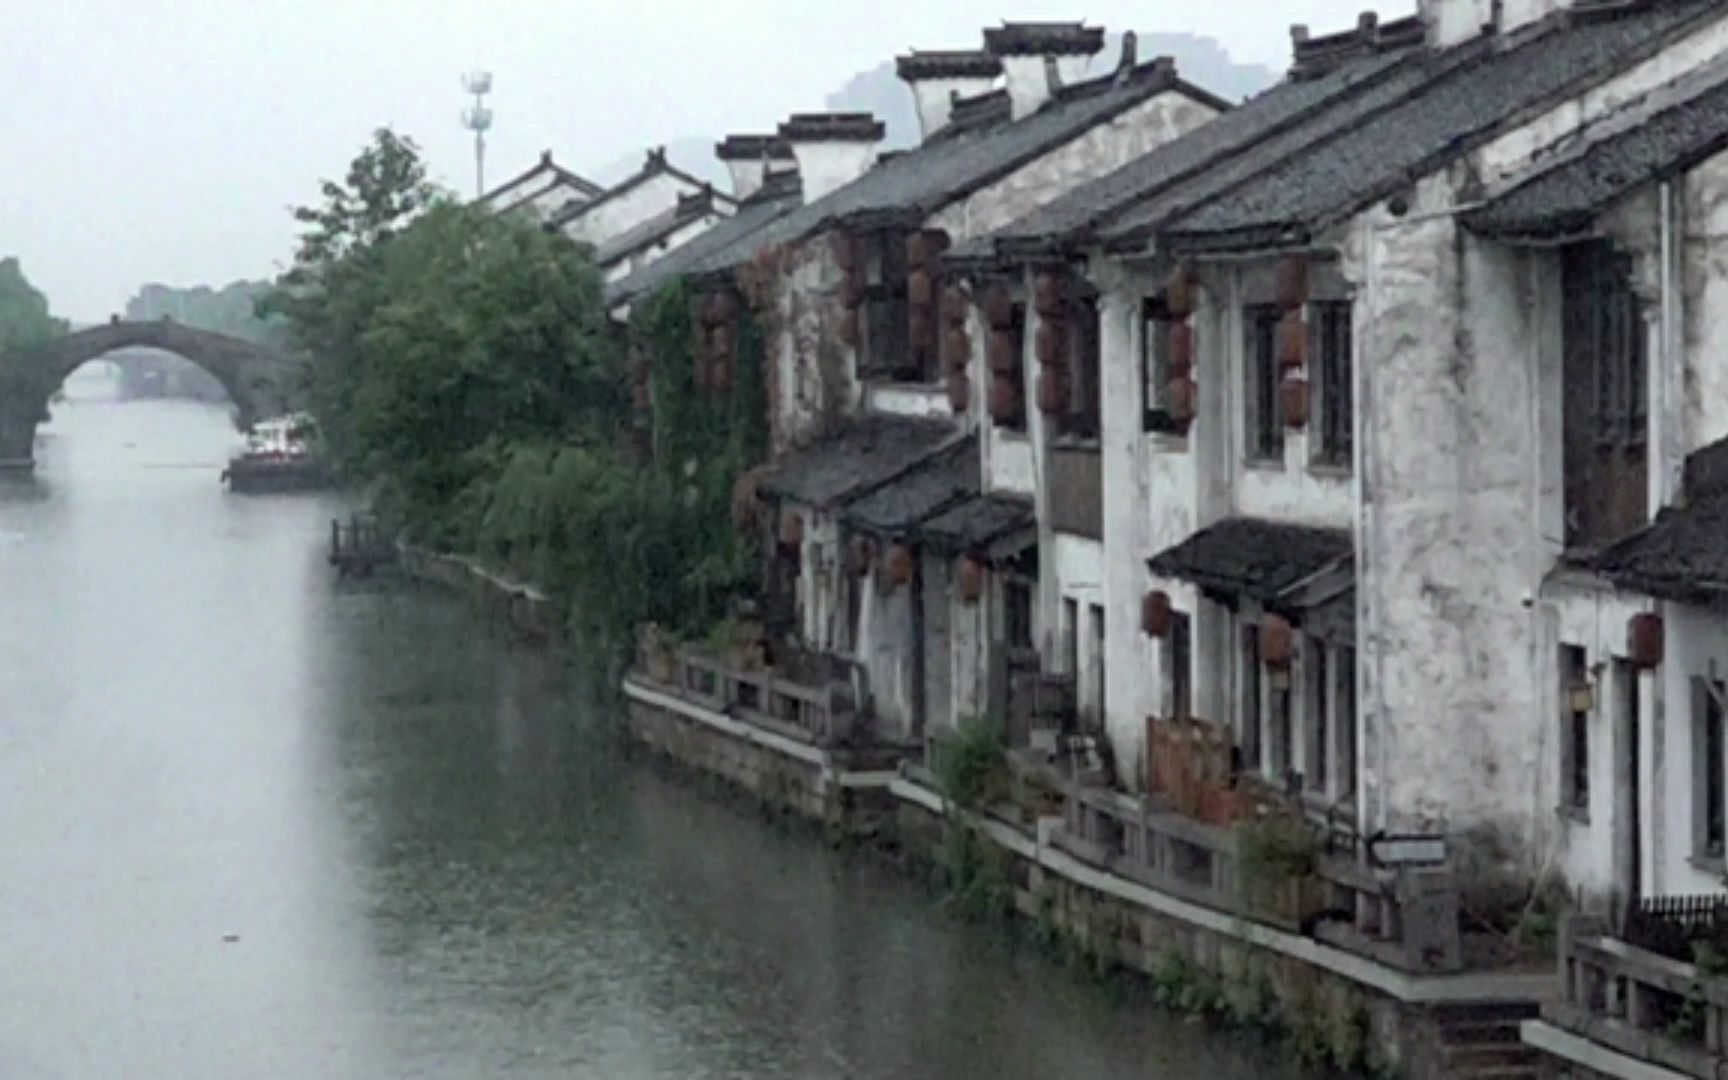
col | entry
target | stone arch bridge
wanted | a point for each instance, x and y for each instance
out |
(256, 378)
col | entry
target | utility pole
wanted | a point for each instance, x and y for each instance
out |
(478, 119)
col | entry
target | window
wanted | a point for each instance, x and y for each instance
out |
(1265, 426)
(1708, 807)
(1155, 366)
(1335, 429)
(1084, 346)
(1017, 604)
(1280, 761)
(1071, 637)
(1604, 396)
(1576, 702)
(1316, 752)
(887, 345)
(1016, 371)
(1095, 662)
(1178, 666)
(1344, 734)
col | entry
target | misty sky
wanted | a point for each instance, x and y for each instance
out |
(163, 140)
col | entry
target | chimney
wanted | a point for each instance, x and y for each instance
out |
(937, 78)
(1039, 58)
(1453, 22)
(752, 159)
(832, 149)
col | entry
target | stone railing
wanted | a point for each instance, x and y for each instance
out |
(1640, 1003)
(1407, 919)
(824, 715)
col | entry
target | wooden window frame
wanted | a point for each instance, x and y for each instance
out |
(1333, 348)
(1263, 419)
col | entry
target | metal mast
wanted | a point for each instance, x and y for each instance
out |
(478, 119)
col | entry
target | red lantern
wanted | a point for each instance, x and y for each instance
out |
(971, 579)
(1004, 355)
(957, 348)
(1291, 282)
(1179, 293)
(1293, 401)
(1004, 400)
(1155, 614)
(920, 329)
(1049, 293)
(900, 564)
(791, 529)
(1646, 644)
(954, 301)
(1182, 397)
(1293, 340)
(998, 304)
(1047, 343)
(1277, 642)
(959, 392)
(1181, 350)
(1052, 391)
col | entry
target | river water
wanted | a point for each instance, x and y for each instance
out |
(254, 824)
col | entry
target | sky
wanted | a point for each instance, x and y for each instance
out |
(166, 140)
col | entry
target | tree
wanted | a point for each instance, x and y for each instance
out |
(25, 326)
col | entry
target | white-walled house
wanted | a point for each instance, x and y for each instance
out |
(637, 248)
(542, 192)
(645, 195)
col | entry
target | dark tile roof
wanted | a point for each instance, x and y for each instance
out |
(929, 488)
(780, 196)
(1321, 55)
(833, 127)
(1254, 558)
(946, 64)
(1670, 132)
(1044, 39)
(654, 165)
(548, 169)
(992, 524)
(1683, 555)
(1281, 120)
(978, 110)
(1333, 619)
(1477, 89)
(909, 188)
(655, 229)
(855, 462)
(752, 148)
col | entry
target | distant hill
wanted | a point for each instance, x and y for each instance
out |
(1201, 60)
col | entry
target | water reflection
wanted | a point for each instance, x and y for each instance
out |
(426, 845)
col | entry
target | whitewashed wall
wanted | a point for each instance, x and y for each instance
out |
(610, 217)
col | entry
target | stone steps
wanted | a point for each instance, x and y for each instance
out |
(1482, 1042)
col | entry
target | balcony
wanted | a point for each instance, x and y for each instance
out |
(811, 699)
(1644, 1004)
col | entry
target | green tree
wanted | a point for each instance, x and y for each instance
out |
(25, 326)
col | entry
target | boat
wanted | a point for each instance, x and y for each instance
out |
(281, 454)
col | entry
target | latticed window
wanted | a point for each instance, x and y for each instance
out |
(1605, 396)
(1265, 425)
(1335, 430)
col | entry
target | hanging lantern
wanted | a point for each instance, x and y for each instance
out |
(920, 289)
(1047, 343)
(998, 304)
(970, 577)
(1155, 614)
(954, 302)
(1181, 350)
(1179, 293)
(1049, 293)
(959, 392)
(860, 555)
(845, 251)
(1645, 641)
(957, 348)
(918, 250)
(1004, 352)
(1004, 400)
(1290, 284)
(1182, 397)
(791, 529)
(1293, 402)
(920, 328)
(1277, 642)
(1052, 392)
(899, 565)
(1293, 340)
(850, 323)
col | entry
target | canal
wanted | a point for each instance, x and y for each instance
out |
(256, 824)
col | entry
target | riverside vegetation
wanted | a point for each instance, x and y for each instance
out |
(465, 372)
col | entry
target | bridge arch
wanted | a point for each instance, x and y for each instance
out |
(255, 377)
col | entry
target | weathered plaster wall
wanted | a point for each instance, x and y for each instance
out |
(934, 99)
(1103, 148)
(1704, 265)
(815, 383)
(615, 215)
(1697, 647)
(828, 166)
(648, 256)
(1028, 82)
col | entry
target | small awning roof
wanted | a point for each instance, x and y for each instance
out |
(1681, 556)
(928, 488)
(855, 462)
(994, 526)
(1295, 569)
